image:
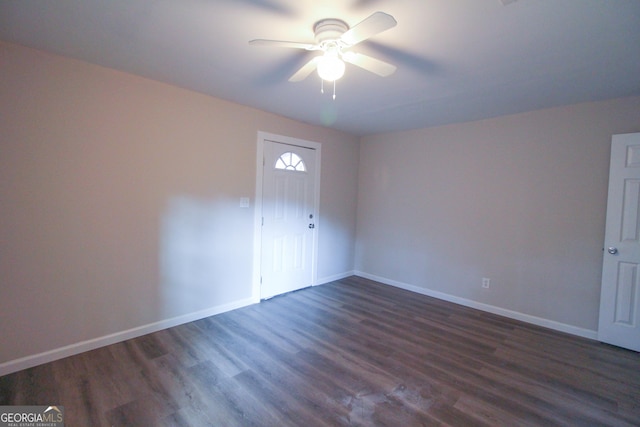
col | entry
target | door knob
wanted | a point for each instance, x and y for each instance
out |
(312, 226)
(612, 250)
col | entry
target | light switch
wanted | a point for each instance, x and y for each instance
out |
(244, 202)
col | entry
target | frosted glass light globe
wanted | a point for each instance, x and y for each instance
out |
(330, 67)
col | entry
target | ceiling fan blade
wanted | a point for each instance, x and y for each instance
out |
(374, 24)
(282, 43)
(306, 69)
(369, 63)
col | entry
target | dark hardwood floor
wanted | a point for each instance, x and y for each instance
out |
(353, 352)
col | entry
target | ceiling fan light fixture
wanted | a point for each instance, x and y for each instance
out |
(330, 67)
(334, 37)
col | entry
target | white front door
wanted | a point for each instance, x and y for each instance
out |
(620, 296)
(288, 218)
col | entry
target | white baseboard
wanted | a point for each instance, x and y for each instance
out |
(72, 349)
(539, 321)
(333, 278)
(80, 347)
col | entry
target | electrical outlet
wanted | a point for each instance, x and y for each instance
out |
(486, 282)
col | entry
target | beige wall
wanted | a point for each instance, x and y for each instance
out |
(519, 199)
(120, 204)
(120, 201)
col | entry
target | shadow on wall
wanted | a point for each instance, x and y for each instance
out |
(206, 254)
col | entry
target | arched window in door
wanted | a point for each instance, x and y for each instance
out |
(291, 162)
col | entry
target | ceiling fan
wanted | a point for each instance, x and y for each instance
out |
(334, 37)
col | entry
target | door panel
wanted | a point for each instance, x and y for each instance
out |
(619, 322)
(630, 210)
(624, 296)
(288, 221)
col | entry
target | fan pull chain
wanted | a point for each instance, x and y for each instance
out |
(322, 87)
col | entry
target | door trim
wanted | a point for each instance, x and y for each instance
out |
(257, 221)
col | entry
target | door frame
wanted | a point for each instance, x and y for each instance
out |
(257, 222)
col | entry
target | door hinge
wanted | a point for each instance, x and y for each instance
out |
(262, 221)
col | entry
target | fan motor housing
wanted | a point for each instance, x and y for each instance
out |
(329, 30)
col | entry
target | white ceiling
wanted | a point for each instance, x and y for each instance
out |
(458, 60)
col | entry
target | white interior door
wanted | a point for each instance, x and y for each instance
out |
(619, 322)
(288, 218)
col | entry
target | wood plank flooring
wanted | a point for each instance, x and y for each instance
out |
(353, 352)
